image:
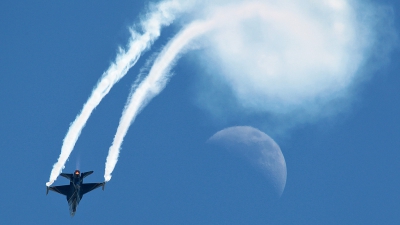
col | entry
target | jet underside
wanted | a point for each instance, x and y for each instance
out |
(76, 189)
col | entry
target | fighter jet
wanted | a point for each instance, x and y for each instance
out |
(76, 188)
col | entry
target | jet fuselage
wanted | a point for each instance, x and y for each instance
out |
(76, 188)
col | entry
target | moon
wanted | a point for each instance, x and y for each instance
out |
(258, 148)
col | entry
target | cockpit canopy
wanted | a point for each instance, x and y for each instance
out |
(77, 173)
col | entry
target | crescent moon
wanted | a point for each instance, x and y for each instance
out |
(258, 148)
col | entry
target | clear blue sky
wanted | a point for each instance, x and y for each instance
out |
(341, 170)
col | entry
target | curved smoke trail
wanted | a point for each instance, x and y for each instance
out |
(157, 78)
(151, 86)
(163, 14)
(297, 60)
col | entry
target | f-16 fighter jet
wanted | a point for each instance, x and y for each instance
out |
(76, 188)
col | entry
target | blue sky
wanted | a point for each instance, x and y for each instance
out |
(341, 169)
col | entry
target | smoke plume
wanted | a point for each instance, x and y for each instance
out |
(288, 57)
(161, 15)
(279, 57)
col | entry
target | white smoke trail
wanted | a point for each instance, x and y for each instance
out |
(312, 57)
(162, 14)
(152, 85)
(158, 76)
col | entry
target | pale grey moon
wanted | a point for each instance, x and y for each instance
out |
(258, 148)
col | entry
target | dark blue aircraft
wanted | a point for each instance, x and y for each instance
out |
(76, 188)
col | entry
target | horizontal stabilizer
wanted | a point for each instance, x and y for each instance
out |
(85, 174)
(67, 175)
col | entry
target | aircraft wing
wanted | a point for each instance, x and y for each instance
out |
(63, 189)
(85, 188)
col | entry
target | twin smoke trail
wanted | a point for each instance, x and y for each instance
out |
(159, 74)
(299, 45)
(151, 86)
(161, 16)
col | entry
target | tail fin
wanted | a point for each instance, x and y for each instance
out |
(47, 191)
(70, 176)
